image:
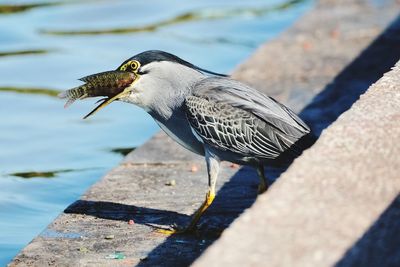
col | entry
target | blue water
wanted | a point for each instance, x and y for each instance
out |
(48, 155)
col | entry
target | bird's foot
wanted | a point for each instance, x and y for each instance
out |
(176, 230)
(192, 227)
(166, 231)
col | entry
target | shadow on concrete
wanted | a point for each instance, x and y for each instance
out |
(380, 245)
(240, 192)
(354, 80)
(123, 212)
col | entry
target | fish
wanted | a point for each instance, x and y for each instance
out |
(110, 84)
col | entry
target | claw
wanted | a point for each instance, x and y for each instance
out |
(166, 231)
(175, 230)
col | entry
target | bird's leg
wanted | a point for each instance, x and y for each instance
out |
(263, 186)
(212, 169)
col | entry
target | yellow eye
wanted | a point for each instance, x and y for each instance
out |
(131, 66)
(134, 65)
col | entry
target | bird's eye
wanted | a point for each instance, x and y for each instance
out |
(134, 65)
(131, 66)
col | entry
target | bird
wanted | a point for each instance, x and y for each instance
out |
(206, 112)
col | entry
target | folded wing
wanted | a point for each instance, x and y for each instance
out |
(232, 116)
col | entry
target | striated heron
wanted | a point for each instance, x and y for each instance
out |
(206, 112)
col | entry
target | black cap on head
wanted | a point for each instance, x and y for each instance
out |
(149, 56)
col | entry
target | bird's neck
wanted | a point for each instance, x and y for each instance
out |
(173, 95)
(164, 107)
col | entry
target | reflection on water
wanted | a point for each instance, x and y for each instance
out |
(216, 40)
(33, 174)
(10, 8)
(192, 16)
(57, 173)
(40, 139)
(23, 52)
(35, 91)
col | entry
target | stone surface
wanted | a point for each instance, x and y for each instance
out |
(330, 197)
(303, 60)
(295, 68)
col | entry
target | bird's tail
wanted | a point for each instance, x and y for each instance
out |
(289, 155)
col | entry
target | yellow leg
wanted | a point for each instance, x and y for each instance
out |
(195, 218)
(197, 215)
(213, 169)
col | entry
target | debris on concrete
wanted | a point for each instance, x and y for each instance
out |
(116, 256)
(171, 183)
(83, 249)
(194, 168)
(234, 166)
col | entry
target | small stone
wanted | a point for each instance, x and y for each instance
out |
(234, 166)
(194, 168)
(131, 222)
(335, 34)
(307, 45)
(171, 183)
(109, 237)
(83, 249)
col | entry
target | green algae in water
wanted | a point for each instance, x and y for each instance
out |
(34, 91)
(35, 174)
(10, 9)
(18, 8)
(192, 16)
(24, 52)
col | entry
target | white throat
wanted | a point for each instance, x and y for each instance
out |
(164, 86)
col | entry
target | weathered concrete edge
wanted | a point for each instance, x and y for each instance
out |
(354, 168)
(253, 70)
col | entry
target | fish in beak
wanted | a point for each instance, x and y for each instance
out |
(113, 85)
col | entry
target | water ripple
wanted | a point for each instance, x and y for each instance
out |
(191, 16)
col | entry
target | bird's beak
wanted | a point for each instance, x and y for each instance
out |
(113, 85)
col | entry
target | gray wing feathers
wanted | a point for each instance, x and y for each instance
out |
(235, 117)
(229, 128)
(239, 95)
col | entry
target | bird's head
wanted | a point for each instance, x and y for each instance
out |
(144, 79)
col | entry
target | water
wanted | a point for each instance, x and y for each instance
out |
(49, 156)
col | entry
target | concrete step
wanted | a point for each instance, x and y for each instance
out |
(338, 204)
(300, 67)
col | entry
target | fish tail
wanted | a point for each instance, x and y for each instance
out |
(73, 94)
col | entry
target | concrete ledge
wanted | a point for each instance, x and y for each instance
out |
(330, 196)
(294, 68)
